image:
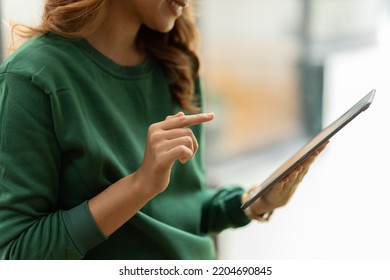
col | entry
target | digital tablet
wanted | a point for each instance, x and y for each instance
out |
(310, 147)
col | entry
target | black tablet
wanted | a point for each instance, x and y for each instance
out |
(310, 147)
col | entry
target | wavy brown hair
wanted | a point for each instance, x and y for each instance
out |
(176, 50)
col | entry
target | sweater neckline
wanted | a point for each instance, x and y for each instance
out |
(112, 66)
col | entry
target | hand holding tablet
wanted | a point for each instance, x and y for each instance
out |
(302, 156)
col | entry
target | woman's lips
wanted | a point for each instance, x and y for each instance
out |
(177, 6)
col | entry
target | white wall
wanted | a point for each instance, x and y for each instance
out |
(341, 209)
(23, 11)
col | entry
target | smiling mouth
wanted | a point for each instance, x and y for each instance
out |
(179, 4)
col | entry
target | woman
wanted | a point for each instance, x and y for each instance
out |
(92, 127)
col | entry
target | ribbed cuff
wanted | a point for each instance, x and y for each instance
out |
(82, 228)
(233, 209)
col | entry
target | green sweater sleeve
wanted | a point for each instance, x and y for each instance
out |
(32, 223)
(222, 209)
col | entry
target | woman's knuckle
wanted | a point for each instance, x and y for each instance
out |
(188, 140)
(188, 131)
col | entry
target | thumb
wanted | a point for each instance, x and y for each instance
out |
(180, 114)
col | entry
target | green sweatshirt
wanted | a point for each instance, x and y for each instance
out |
(72, 122)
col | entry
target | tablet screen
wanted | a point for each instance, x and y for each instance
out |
(311, 146)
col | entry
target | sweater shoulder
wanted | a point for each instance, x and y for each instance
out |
(45, 60)
(39, 54)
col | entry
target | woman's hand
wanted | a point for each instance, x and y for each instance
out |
(282, 191)
(168, 141)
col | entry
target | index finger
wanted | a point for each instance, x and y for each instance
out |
(307, 162)
(187, 120)
(321, 148)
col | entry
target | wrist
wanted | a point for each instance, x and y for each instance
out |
(145, 187)
(258, 210)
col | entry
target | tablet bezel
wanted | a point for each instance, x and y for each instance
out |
(313, 144)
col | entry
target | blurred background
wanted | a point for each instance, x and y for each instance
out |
(275, 72)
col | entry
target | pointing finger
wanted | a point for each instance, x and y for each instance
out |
(183, 121)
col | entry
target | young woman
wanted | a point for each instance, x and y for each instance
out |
(100, 114)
